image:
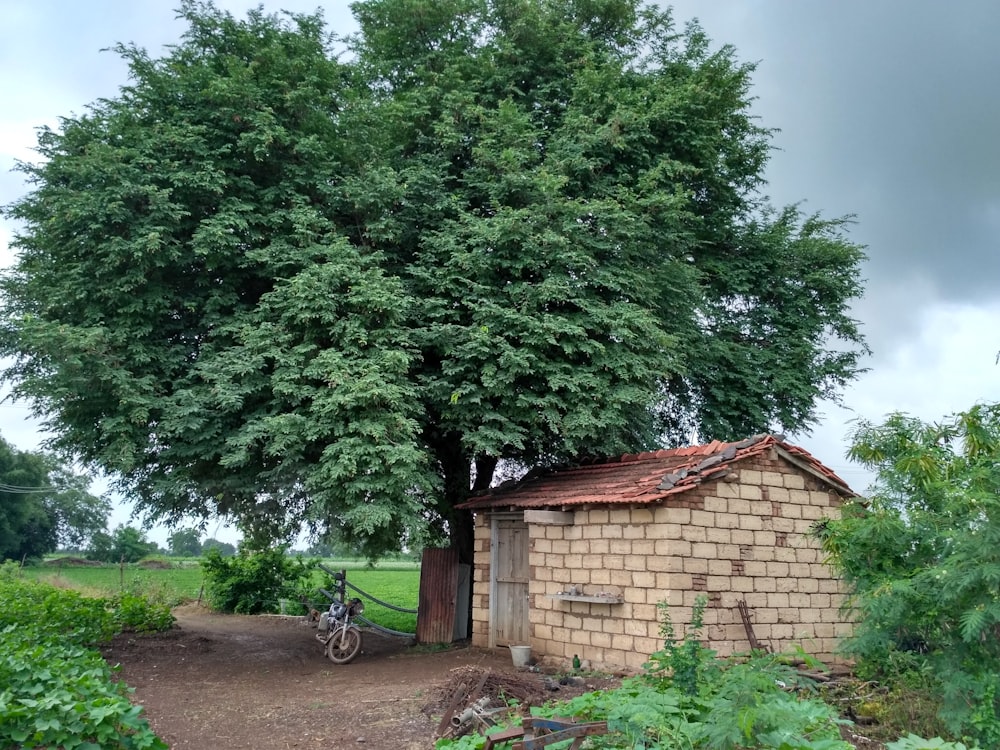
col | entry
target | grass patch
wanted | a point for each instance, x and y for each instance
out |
(396, 582)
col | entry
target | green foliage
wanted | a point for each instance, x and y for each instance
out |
(922, 558)
(267, 283)
(43, 504)
(185, 543)
(913, 742)
(140, 614)
(125, 543)
(689, 699)
(255, 582)
(55, 692)
(682, 663)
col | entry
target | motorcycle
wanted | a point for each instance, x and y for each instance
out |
(340, 637)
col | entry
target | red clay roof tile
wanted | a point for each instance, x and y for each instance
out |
(643, 478)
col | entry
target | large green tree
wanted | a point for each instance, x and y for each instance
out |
(274, 283)
(44, 504)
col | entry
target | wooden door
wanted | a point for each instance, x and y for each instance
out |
(509, 600)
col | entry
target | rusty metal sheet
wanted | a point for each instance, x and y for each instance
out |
(438, 594)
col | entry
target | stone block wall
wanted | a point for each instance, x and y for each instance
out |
(743, 538)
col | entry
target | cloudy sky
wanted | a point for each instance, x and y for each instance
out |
(887, 110)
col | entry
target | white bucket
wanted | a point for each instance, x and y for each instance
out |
(520, 655)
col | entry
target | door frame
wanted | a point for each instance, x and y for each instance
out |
(495, 519)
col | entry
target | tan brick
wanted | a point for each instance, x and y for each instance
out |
(611, 531)
(751, 522)
(643, 579)
(777, 569)
(791, 510)
(599, 546)
(764, 584)
(719, 567)
(772, 478)
(729, 551)
(718, 583)
(750, 491)
(694, 533)
(662, 584)
(755, 567)
(829, 585)
(778, 495)
(794, 481)
(600, 640)
(592, 532)
(695, 565)
(798, 496)
(621, 578)
(643, 547)
(561, 574)
(763, 538)
(671, 514)
(600, 576)
(619, 547)
(716, 504)
(594, 516)
(620, 516)
(613, 624)
(819, 601)
(727, 520)
(635, 562)
(633, 531)
(642, 516)
(622, 642)
(743, 584)
(658, 564)
(808, 586)
(702, 518)
(784, 554)
(749, 476)
(800, 600)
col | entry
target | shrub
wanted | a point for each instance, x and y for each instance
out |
(254, 582)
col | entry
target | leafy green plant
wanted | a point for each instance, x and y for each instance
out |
(255, 581)
(55, 691)
(682, 663)
(922, 559)
(140, 614)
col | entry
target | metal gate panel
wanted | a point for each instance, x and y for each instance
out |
(438, 592)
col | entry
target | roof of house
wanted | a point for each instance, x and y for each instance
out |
(643, 478)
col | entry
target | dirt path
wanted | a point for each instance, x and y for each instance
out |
(230, 681)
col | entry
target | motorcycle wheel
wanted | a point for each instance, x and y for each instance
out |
(343, 646)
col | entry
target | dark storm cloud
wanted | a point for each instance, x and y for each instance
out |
(890, 111)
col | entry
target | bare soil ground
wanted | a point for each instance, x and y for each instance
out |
(231, 681)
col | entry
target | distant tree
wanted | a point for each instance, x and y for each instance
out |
(225, 549)
(185, 543)
(922, 559)
(124, 543)
(43, 505)
(271, 283)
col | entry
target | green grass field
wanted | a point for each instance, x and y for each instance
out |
(397, 583)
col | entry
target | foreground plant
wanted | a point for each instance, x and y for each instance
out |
(922, 559)
(56, 691)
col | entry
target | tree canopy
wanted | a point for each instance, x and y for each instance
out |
(922, 559)
(44, 504)
(283, 275)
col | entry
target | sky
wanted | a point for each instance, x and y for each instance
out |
(884, 110)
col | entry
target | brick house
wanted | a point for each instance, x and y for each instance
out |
(574, 561)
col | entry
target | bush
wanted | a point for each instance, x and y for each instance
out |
(922, 559)
(254, 582)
